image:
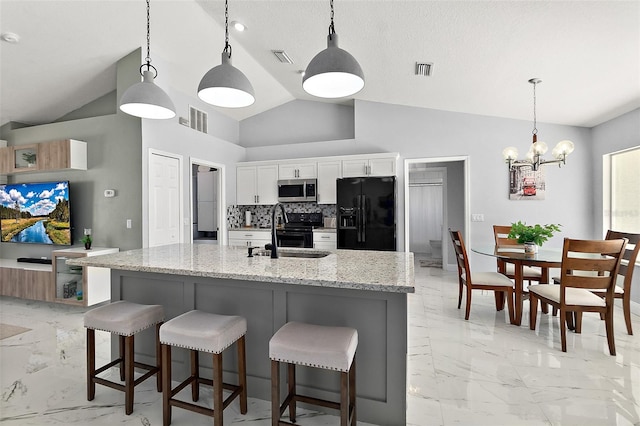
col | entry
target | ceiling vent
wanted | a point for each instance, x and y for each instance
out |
(282, 56)
(424, 68)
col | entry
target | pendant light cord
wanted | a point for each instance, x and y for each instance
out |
(332, 28)
(227, 46)
(148, 58)
(535, 130)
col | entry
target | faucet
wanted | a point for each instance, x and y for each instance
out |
(274, 245)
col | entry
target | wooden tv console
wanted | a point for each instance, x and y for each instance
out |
(44, 282)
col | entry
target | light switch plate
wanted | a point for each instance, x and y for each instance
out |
(477, 217)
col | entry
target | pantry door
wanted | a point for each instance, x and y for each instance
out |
(165, 198)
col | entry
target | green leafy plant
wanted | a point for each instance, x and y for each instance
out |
(537, 234)
(29, 157)
(87, 239)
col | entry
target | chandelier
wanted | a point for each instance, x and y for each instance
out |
(538, 148)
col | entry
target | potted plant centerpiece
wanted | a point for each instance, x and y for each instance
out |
(532, 236)
(87, 240)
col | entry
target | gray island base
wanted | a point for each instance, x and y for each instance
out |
(365, 290)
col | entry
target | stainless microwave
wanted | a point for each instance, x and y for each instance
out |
(297, 190)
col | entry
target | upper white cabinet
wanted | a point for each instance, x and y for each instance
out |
(297, 170)
(379, 166)
(257, 181)
(257, 184)
(328, 172)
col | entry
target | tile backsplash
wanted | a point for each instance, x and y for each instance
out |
(261, 215)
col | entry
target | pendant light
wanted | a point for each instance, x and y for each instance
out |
(225, 85)
(538, 148)
(145, 99)
(334, 72)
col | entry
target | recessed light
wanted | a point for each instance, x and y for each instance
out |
(10, 37)
(238, 26)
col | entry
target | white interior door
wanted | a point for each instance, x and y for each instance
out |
(165, 199)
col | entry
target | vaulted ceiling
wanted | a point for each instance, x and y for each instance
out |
(483, 52)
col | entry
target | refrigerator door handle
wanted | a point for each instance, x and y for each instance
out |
(358, 222)
(363, 223)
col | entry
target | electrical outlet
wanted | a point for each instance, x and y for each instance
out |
(128, 223)
(477, 217)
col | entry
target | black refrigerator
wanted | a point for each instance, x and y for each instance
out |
(366, 213)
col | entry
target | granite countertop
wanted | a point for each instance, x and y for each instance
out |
(384, 271)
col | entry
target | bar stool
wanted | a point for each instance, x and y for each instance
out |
(201, 331)
(124, 319)
(331, 348)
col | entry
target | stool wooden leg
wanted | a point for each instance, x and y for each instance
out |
(91, 364)
(166, 384)
(344, 399)
(275, 393)
(217, 389)
(195, 372)
(158, 359)
(352, 392)
(242, 375)
(291, 380)
(122, 366)
(128, 374)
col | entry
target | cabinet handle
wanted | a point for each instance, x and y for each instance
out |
(258, 199)
(325, 237)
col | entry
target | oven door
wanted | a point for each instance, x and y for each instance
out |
(291, 238)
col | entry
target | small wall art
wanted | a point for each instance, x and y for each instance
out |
(526, 184)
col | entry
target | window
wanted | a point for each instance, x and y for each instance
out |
(624, 190)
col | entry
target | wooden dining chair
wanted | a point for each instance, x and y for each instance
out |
(495, 281)
(625, 274)
(574, 294)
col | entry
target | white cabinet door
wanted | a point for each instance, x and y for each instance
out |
(328, 172)
(325, 240)
(246, 192)
(355, 168)
(249, 238)
(267, 184)
(382, 166)
(297, 171)
(385, 166)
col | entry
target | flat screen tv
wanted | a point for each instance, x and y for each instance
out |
(35, 213)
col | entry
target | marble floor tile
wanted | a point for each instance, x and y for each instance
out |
(478, 372)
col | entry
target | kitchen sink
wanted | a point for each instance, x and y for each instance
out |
(304, 254)
(300, 254)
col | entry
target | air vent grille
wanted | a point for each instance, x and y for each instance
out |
(198, 120)
(282, 56)
(424, 68)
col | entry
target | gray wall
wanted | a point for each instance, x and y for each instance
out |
(427, 133)
(113, 161)
(615, 135)
(298, 122)
(170, 137)
(104, 105)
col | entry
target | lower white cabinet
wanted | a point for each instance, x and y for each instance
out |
(250, 237)
(325, 240)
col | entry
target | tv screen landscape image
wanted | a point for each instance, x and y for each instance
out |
(35, 213)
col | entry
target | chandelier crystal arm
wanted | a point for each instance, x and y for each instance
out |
(538, 148)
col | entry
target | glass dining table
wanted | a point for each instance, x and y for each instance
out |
(545, 258)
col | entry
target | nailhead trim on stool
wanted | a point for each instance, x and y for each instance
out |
(124, 319)
(205, 332)
(331, 348)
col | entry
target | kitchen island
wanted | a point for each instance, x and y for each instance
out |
(366, 290)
